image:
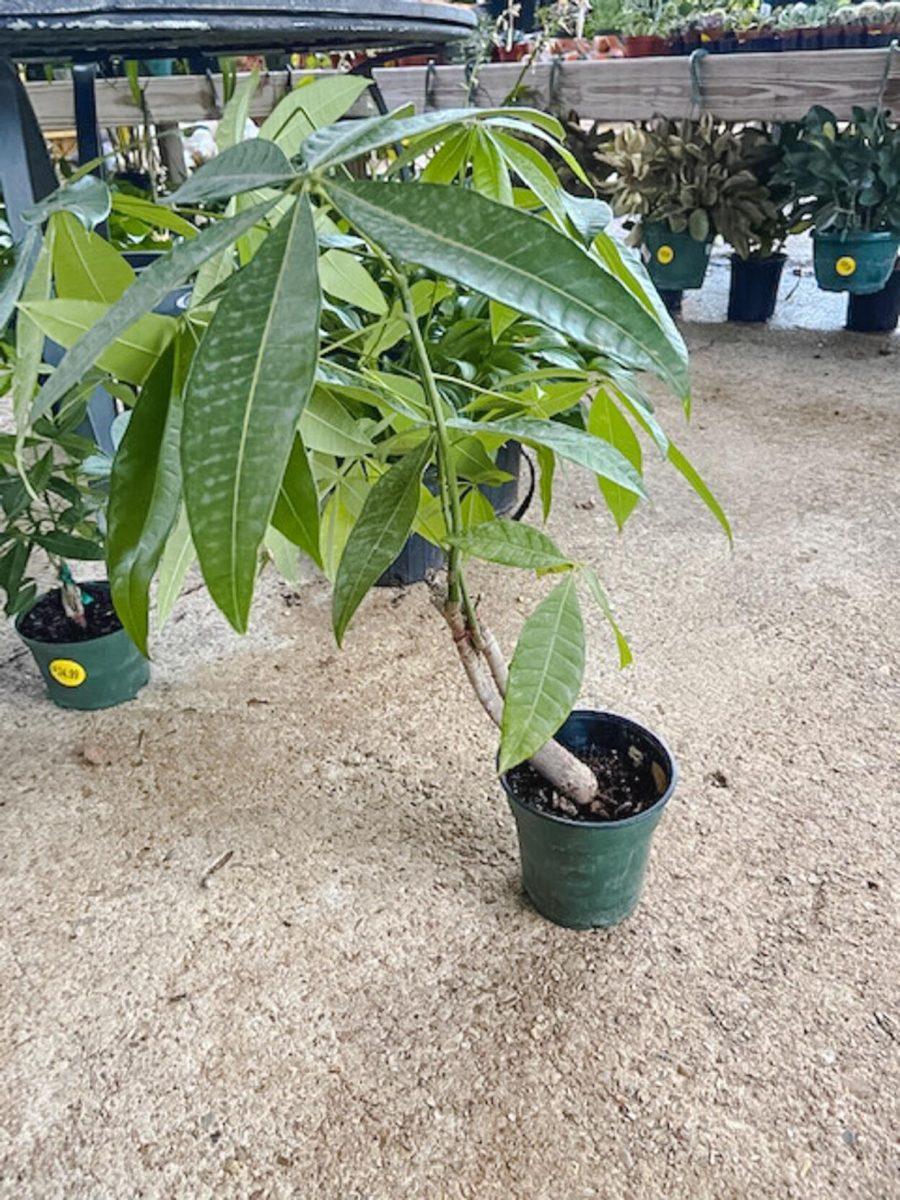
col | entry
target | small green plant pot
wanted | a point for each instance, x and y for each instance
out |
(98, 673)
(584, 874)
(856, 262)
(677, 262)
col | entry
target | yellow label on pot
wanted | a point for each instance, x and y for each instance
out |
(67, 672)
(665, 254)
(845, 266)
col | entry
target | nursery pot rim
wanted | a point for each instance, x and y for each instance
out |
(855, 235)
(755, 259)
(83, 641)
(624, 822)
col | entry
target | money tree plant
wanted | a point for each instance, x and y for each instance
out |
(316, 351)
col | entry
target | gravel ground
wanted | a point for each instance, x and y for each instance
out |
(358, 1003)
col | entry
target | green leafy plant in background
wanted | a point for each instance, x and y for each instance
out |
(698, 176)
(843, 176)
(355, 333)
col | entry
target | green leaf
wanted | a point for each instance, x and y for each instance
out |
(241, 168)
(310, 106)
(590, 576)
(446, 164)
(68, 545)
(473, 463)
(26, 257)
(476, 509)
(566, 441)
(589, 216)
(512, 544)
(233, 122)
(283, 554)
(145, 293)
(30, 339)
(692, 475)
(605, 420)
(378, 536)
(328, 428)
(342, 143)
(131, 356)
(155, 216)
(517, 259)
(85, 265)
(544, 675)
(489, 174)
(296, 514)
(145, 494)
(501, 319)
(547, 466)
(173, 567)
(88, 198)
(249, 383)
(344, 277)
(535, 172)
(340, 514)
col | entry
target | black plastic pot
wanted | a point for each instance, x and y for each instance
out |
(754, 287)
(877, 312)
(582, 874)
(419, 556)
(672, 298)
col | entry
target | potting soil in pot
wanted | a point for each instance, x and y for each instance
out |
(47, 621)
(629, 784)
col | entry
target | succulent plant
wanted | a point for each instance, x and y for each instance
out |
(700, 176)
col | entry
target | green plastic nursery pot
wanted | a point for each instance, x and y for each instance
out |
(97, 673)
(677, 261)
(584, 874)
(857, 262)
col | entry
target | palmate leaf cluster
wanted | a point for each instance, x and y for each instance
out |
(357, 349)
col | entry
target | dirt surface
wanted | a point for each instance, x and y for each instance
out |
(263, 933)
(47, 621)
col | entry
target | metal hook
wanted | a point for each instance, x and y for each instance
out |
(696, 58)
(886, 73)
(430, 82)
(216, 100)
(554, 84)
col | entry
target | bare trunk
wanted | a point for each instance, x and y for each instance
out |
(568, 774)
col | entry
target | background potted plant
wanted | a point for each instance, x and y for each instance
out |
(228, 436)
(844, 183)
(755, 224)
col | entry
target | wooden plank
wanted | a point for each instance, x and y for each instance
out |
(189, 98)
(738, 87)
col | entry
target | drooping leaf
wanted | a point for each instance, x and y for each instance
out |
(30, 339)
(130, 356)
(534, 171)
(378, 536)
(155, 216)
(145, 494)
(69, 545)
(692, 475)
(565, 440)
(283, 553)
(241, 168)
(174, 565)
(248, 385)
(296, 514)
(85, 265)
(596, 589)
(519, 260)
(513, 544)
(547, 467)
(87, 197)
(605, 420)
(544, 675)
(169, 272)
(26, 256)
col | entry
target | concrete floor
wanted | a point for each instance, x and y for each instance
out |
(358, 1003)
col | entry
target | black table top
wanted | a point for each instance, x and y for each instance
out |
(32, 29)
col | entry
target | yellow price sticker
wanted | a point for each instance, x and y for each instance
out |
(845, 265)
(665, 254)
(67, 672)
